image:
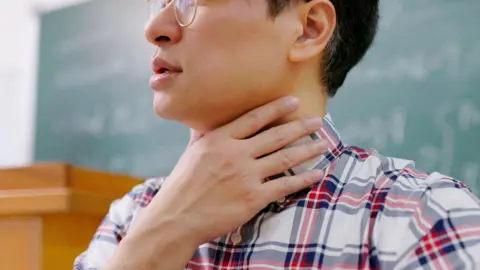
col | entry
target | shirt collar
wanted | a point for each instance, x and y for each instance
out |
(335, 148)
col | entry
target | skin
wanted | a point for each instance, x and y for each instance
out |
(237, 64)
(228, 69)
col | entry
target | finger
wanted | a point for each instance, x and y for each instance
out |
(284, 186)
(275, 138)
(251, 122)
(287, 158)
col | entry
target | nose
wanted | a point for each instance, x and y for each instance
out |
(162, 29)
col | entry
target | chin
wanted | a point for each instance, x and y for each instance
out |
(163, 109)
(193, 120)
(174, 112)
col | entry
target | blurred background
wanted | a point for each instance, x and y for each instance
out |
(74, 88)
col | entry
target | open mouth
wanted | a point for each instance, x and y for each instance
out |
(167, 71)
(164, 74)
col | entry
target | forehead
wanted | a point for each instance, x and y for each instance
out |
(243, 10)
(254, 5)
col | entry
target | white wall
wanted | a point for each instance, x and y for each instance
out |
(19, 27)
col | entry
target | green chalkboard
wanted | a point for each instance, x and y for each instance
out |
(94, 102)
(415, 95)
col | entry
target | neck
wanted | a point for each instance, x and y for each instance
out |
(312, 96)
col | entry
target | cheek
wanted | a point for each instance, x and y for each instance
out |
(232, 66)
(227, 52)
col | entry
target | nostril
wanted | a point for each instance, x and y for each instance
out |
(162, 39)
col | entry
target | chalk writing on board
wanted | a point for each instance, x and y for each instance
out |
(126, 120)
(161, 160)
(448, 137)
(470, 175)
(426, 53)
(416, 66)
(91, 74)
(472, 61)
(423, 12)
(468, 115)
(88, 39)
(390, 14)
(92, 123)
(379, 130)
(430, 156)
(117, 163)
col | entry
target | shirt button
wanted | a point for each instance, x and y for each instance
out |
(282, 200)
(236, 238)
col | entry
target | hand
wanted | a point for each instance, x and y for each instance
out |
(194, 136)
(218, 183)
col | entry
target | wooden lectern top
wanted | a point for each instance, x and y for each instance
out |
(60, 188)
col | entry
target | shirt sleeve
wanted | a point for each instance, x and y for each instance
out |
(115, 225)
(445, 228)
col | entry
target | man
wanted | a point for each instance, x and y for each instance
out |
(266, 182)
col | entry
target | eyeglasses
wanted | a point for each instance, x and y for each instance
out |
(185, 10)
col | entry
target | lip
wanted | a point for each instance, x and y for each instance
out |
(159, 64)
(163, 73)
(162, 80)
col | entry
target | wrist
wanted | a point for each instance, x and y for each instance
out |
(163, 246)
(163, 233)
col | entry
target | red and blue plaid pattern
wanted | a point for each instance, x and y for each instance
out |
(369, 212)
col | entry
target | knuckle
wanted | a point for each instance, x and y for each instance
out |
(304, 126)
(254, 120)
(228, 162)
(286, 187)
(305, 179)
(278, 136)
(286, 160)
(254, 116)
(310, 150)
(250, 198)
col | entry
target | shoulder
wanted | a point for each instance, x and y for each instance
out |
(397, 173)
(442, 224)
(116, 223)
(124, 210)
(401, 181)
(142, 194)
(418, 215)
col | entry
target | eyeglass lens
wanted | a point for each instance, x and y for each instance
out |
(184, 9)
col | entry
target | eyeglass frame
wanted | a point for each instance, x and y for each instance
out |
(176, 12)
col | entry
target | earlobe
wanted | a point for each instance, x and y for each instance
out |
(318, 20)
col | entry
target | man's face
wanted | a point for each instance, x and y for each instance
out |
(233, 57)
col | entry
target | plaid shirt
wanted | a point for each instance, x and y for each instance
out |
(369, 212)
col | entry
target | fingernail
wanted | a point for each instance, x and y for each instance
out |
(315, 122)
(292, 102)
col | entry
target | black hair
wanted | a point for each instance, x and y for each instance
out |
(357, 23)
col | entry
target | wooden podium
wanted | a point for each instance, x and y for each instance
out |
(49, 213)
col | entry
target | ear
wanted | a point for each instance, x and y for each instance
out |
(318, 20)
